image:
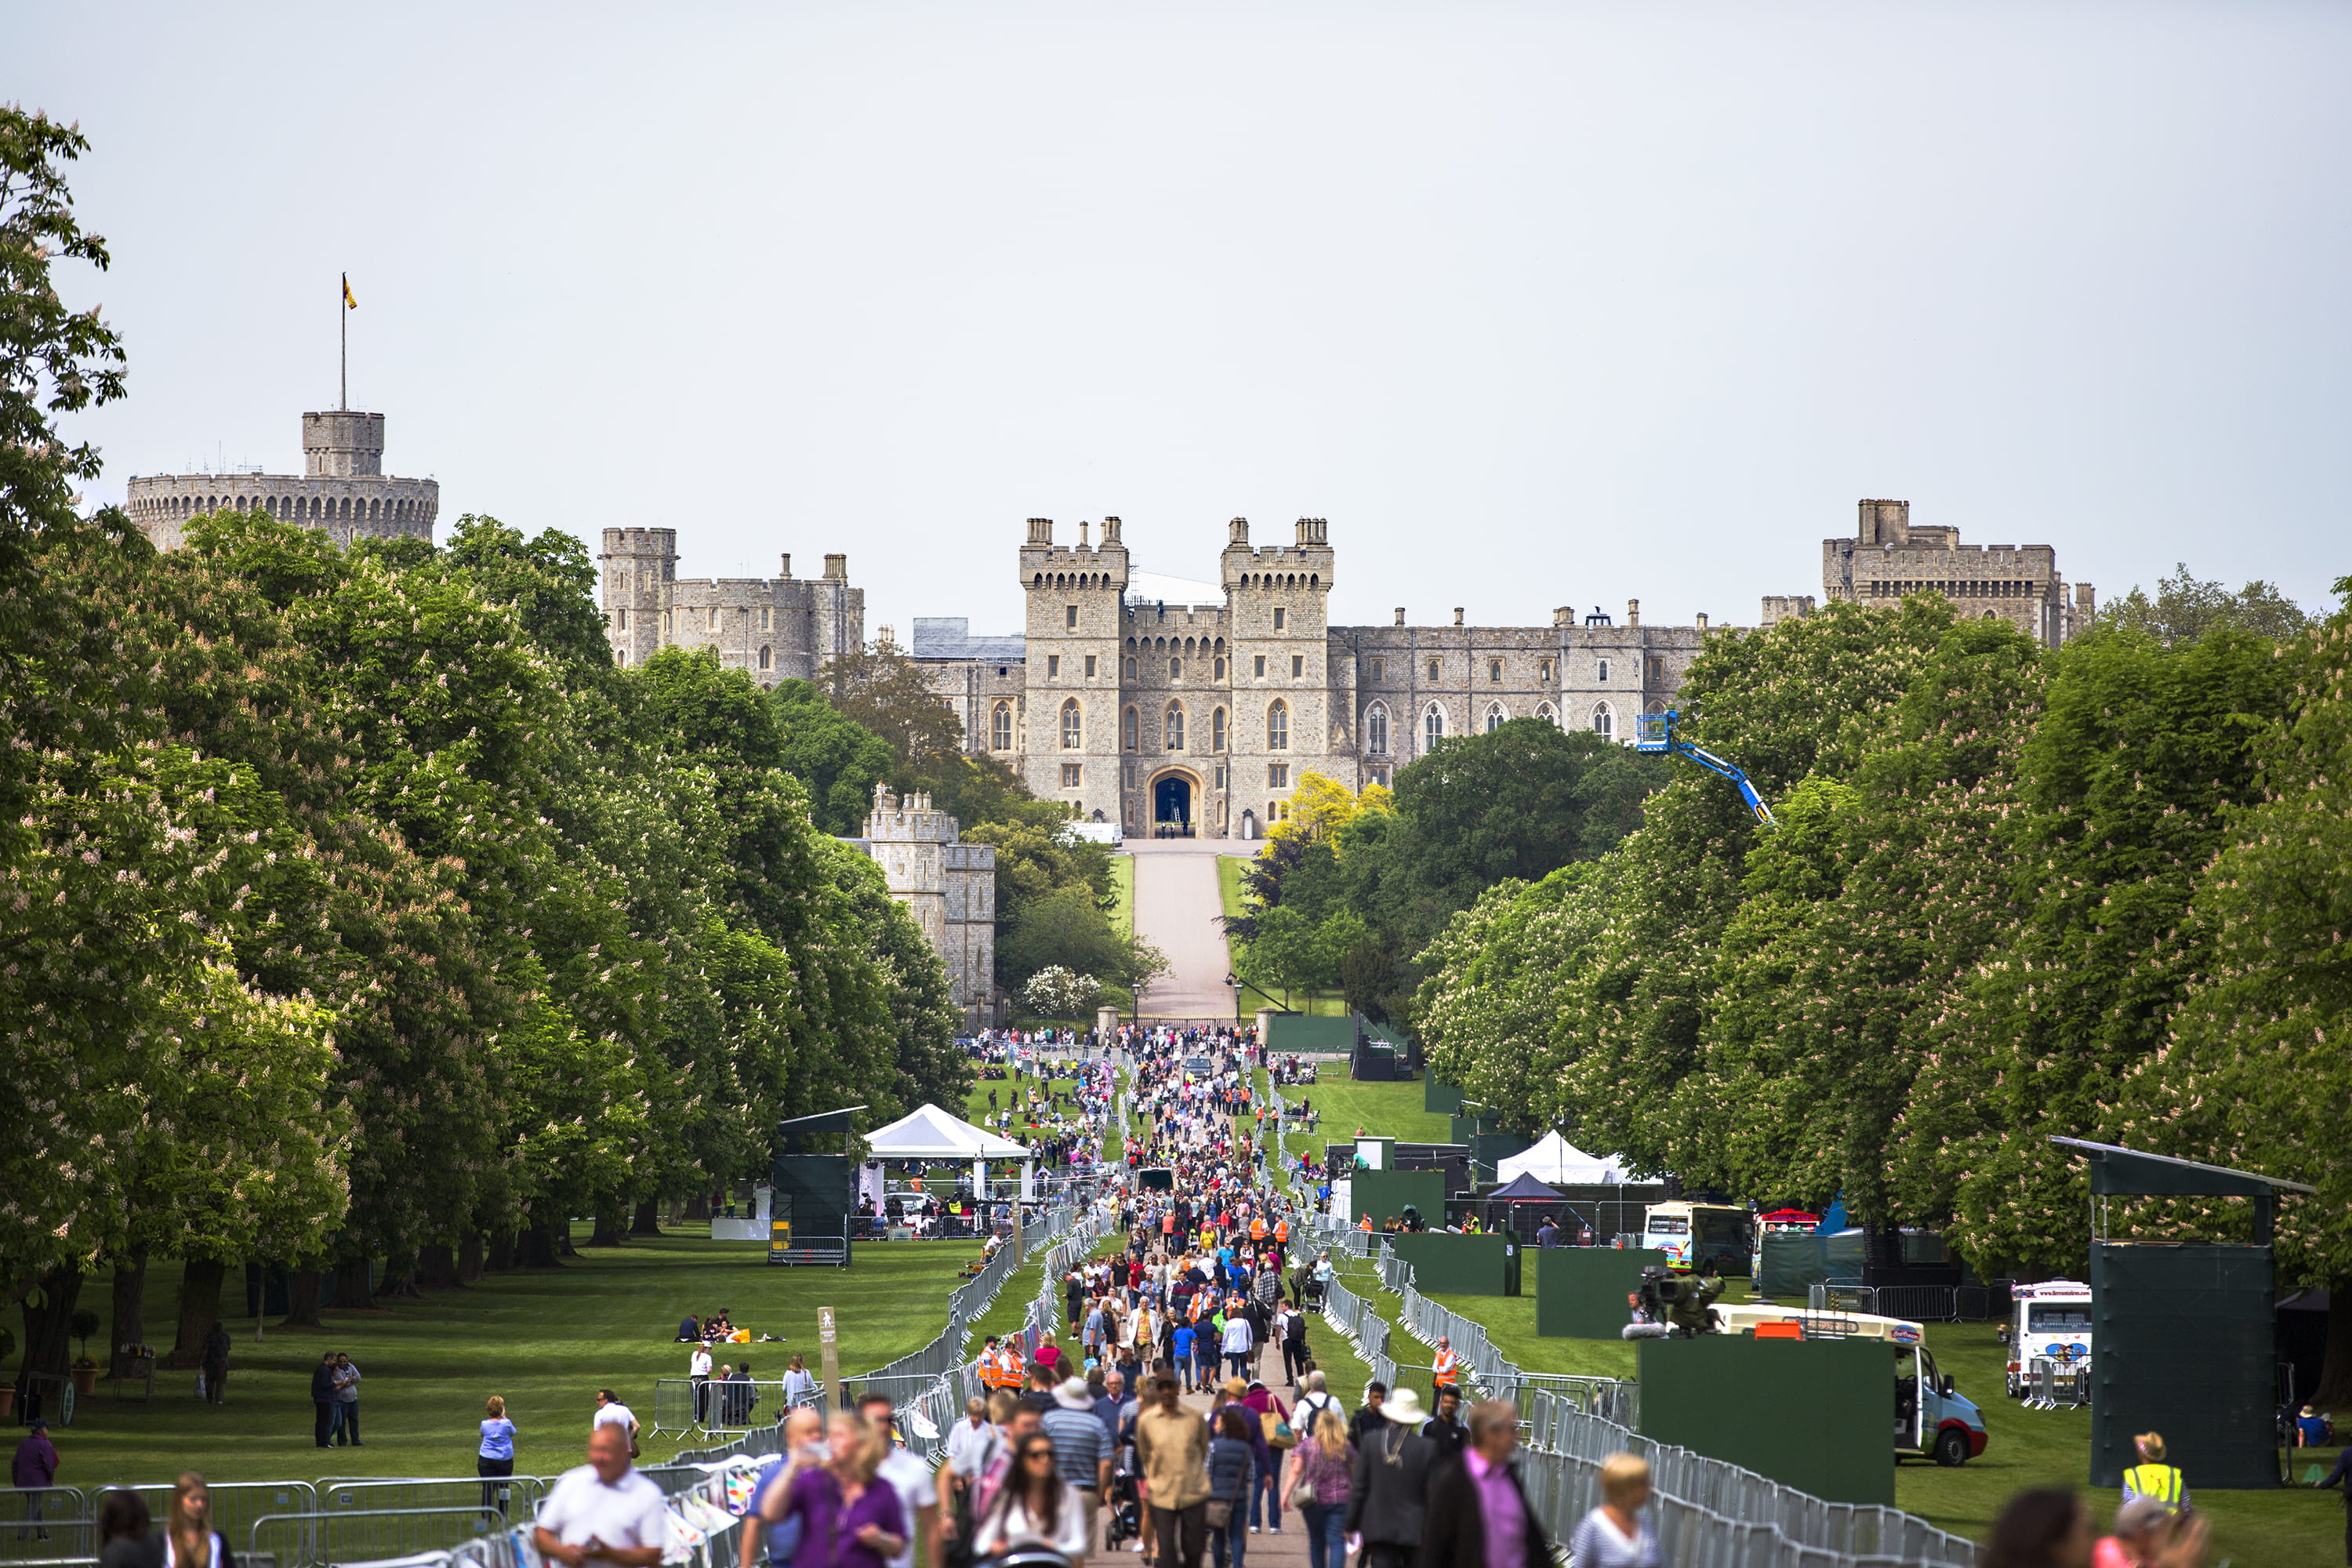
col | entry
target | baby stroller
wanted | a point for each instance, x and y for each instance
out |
(1125, 1519)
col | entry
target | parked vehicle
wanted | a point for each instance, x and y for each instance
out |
(1932, 1418)
(1780, 1222)
(1689, 1234)
(2053, 1321)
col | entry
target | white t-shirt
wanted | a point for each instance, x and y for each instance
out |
(912, 1479)
(614, 1414)
(699, 1363)
(581, 1507)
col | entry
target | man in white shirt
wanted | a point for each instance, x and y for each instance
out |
(919, 1495)
(603, 1509)
(697, 1367)
(610, 1412)
(972, 1441)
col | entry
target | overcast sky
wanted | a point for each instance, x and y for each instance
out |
(1538, 304)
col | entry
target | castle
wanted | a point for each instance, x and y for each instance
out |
(776, 629)
(950, 887)
(1201, 718)
(1890, 557)
(343, 489)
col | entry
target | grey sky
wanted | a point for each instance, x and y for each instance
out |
(1538, 304)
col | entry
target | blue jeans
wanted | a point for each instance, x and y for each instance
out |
(1327, 1535)
(1225, 1546)
(1265, 1489)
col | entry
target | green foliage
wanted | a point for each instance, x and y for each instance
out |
(837, 759)
(2185, 609)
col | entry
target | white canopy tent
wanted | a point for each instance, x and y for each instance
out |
(928, 1132)
(1556, 1161)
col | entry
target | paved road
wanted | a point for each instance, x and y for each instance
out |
(1176, 911)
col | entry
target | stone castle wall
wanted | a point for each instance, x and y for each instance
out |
(774, 629)
(343, 490)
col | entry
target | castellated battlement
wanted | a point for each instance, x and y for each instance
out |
(343, 490)
(775, 628)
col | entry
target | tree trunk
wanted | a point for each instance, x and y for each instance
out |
(353, 1292)
(200, 1293)
(698, 1209)
(648, 1220)
(608, 1227)
(130, 1311)
(540, 1246)
(563, 1247)
(504, 1246)
(470, 1259)
(2335, 1368)
(400, 1278)
(49, 1346)
(302, 1287)
(437, 1267)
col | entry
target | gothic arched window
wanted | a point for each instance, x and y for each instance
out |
(1433, 725)
(1000, 728)
(1376, 730)
(1217, 730)
(1604, 722)
(767, 658)
(1495, 717)
(1074, 728)
(1547, 715)
(1175, 727)
(1130, 733)
(1277, 726)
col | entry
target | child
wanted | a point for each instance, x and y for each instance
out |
(1184, 1354)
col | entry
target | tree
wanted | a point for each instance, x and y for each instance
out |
(892, 696)
(2185, 609)
(837, 759)
(1054, 993)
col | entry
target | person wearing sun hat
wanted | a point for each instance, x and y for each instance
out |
(1392, 1484)
(1081, 1449)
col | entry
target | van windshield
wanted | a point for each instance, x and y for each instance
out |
(1669, 1224)
(2058, 1318)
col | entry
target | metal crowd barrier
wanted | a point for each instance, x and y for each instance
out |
(684, 1405)
(363, 1535)
(1913, 1303)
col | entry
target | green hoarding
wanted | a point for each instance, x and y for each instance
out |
(1581, 1290)
(1815, 1414)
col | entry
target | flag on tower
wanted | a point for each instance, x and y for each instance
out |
(349, 303)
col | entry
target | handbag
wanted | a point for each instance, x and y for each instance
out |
(1220, 1513)
(1282, 1436)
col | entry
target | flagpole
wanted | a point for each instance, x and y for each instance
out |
(343, 322)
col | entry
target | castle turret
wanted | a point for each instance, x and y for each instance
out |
(1073, 653)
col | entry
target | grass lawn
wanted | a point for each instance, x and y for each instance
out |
(1382, 1109)
(2025, 1447)
(547, 1340)
(1122, 886)
(1229, 882)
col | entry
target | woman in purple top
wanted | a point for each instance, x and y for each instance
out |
(848, 1519)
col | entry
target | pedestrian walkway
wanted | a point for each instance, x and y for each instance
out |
(1288, 1549)
(1177, 910)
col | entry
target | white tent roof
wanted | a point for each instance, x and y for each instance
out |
(1556, 1159)
(930, 1134)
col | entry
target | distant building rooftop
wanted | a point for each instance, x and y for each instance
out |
(1158, 588)
(950, 636)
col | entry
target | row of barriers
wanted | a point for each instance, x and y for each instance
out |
(1709, 1514)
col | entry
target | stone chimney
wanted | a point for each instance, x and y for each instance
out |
(1040, 531)
(1399, 614)
(1702, 620)
(1110, 530)
(1632, 612)
(836, 568)
(788, 562)
(1240, 530)
(1082, 526)
(1457, 615)
(1565, 616)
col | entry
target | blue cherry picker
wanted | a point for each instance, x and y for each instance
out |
(1654, 733)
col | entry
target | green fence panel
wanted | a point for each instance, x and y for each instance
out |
(1581, 1290)
(1815, 1414)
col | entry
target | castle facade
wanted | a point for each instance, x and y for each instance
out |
(774, 629)
(949, 885)
(1202, 717)
(343, 489)
(1889, 557)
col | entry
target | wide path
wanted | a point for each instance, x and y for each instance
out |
(1288, 1549)
(1177, 908)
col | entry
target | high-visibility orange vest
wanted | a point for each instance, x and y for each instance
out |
(1282, 1232)
(1257, 1229)
(1447, 1372)
(1364, 1224)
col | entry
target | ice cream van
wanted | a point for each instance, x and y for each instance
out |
(2053, 1321)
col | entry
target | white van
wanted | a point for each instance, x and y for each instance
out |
(1689, 1234)
(2053, 1321)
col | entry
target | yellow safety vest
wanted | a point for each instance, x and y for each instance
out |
(2162, 1482)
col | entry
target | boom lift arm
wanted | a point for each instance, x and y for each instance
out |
(1654, 733)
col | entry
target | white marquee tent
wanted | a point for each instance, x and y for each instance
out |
(928, 1132)
(1556, 1160)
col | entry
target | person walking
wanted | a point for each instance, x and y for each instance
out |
(346, 1423)
(604, 1508)
(902, 1472)
(849, 1519)
(1368, 1417)
(494, 1459)
(799, 1383)
(803, 1444)
(124, 1526)
(1446, 1428)
(2341, 1476)
(33, 1472)
(215, 1359)
(2152, 1477)
(1232, 1464)
(323, 1398)
(189, 1539)
(1479, 1515)
(1392, 1483)
(1617, 1534)
(1173, 1448)
(1035, 1507)
(1239, 1342)
(1321, 1469)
